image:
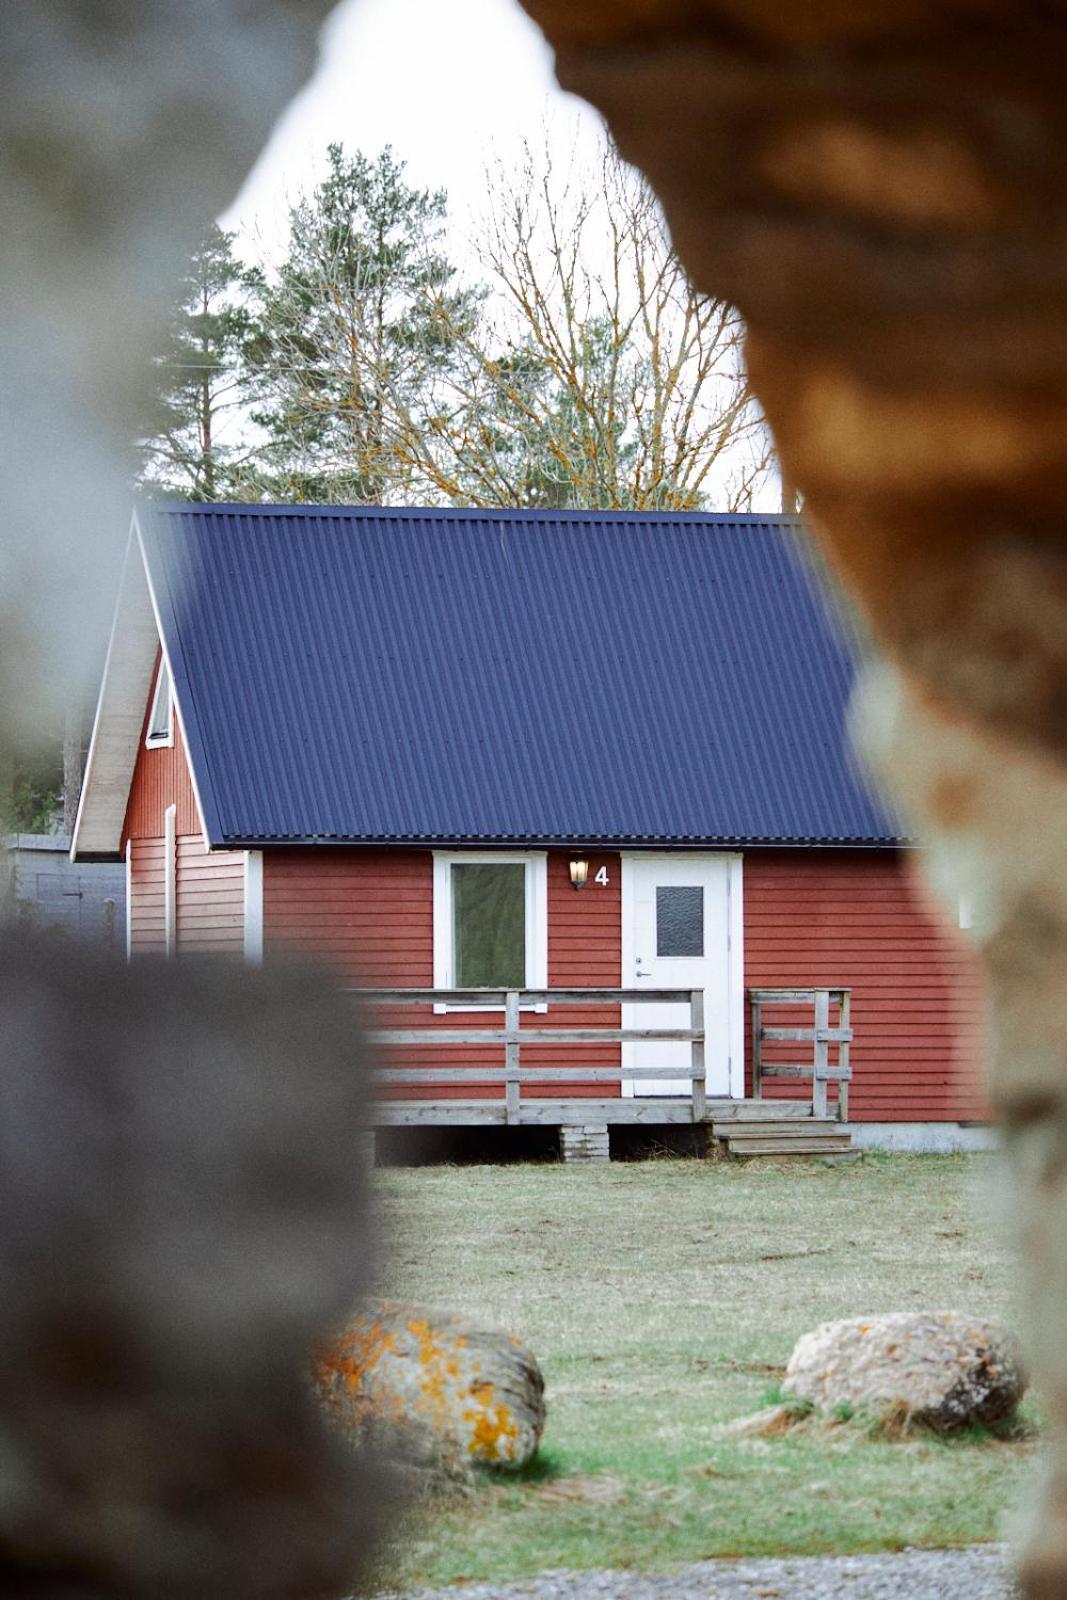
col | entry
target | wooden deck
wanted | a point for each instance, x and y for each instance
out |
(649, 1110)
(742, 1126)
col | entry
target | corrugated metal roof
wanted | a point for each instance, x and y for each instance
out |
(364, 674)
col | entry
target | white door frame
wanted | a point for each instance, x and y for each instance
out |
(735, 946)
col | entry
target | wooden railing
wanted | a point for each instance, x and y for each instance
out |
(513, 1037)
(820, 1035)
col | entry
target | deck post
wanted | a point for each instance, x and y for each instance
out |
(842, 1054)
(822, 1052)
(757, 1051)
(699, 1069)
(511, 1056)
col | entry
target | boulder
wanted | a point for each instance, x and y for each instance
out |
(430, 1388)
(939, 1368)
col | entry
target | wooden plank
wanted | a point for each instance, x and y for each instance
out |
(438, 1113)
(495, 998)
(807, 1035)
(781, 997)
(438, 1038)
(759, 1110)
(529, 1073)
(652, 1111)
(843, 1055)
(443, 1035)
(511, 1057)
(789, 1147)
(822, 1056)
(697, 1056)
(798, 1131)
(757, 1049)
(458, 1075)
(589, 997)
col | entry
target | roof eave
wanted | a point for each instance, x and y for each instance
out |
(557, 842)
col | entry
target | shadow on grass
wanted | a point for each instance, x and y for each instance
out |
(545, 1466)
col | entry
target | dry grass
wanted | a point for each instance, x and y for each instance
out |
(663, 1299)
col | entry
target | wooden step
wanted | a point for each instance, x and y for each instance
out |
(794, 1128)
(760, 1110)
(790, 1147)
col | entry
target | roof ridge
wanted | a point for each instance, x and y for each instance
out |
(478, 513)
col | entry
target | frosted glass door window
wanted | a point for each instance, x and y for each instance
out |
(679, 920)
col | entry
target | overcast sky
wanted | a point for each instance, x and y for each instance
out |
(450, 84)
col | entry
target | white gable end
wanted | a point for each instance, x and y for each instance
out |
(120, 713)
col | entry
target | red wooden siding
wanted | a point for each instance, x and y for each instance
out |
(211, 900)
(368, 914)
(161, 778)
(209, 909)
(209, 904)
(857, 918)
(147, 935)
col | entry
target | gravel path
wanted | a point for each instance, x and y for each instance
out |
(977, 1574)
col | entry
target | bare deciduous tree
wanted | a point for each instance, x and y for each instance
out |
(595, 376)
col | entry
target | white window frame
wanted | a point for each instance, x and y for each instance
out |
(159, 741)
(536, 883)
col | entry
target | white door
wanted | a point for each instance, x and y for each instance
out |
(682, 930)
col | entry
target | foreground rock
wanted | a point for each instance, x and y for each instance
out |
(432, 1389)
(938, 1368)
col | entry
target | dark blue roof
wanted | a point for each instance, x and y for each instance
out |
(354, 674)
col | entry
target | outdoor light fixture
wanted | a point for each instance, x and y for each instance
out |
(579, 873)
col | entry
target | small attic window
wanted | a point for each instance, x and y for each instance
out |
(161, 720)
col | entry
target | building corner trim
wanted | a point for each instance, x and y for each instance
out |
(253, 907)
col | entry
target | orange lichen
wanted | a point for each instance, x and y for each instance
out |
(345, 1363)
(420, 1378)
(492, 1426)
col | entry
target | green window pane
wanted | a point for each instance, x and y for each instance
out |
(489, 925)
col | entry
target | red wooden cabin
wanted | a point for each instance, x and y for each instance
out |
(525, 753)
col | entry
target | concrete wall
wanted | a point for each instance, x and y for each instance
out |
(924, 1138)
(41, 888)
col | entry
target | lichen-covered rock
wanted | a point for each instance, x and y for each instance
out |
(941, 1368)
(432, 1388)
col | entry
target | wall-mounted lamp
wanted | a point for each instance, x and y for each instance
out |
(579, 874)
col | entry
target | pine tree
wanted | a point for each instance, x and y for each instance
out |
(357, 333)
(194, 443)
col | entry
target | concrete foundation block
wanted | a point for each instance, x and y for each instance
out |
(585, 1142)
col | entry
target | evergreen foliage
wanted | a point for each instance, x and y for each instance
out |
(194, 444)
(356, 331)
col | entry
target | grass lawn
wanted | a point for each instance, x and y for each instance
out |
(662, 1299)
